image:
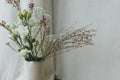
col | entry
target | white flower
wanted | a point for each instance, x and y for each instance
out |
(50, 37)
(40, 54)
(12, 27)
(35, 43)
(23, 31)
(11, 36)
(14, 35)
(34, 30)
(15, 32)
(32, 22)
(24, 52)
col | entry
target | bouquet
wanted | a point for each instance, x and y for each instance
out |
(32, 34)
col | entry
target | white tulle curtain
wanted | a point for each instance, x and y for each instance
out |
(11, 65)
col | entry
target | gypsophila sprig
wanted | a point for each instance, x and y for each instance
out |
(33, 38)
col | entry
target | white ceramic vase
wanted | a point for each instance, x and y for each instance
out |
(36, 71)
(43, 70)
(32, 71)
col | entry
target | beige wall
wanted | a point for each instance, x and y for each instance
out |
(98, 62)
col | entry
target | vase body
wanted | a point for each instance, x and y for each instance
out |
(43, 70)
(36, 71)
(32, 71)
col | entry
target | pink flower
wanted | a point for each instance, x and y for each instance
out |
(40, 21)
(44, 17)
(9, 1)
(31, 5)
(2, 23)
(17, 1)
(47, 30)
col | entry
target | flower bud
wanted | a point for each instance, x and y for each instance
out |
(31, 5)
(25, 12)
(28, 15)
(40, 21)
(17, 1)
(9, 1)
(20, 15)
(2, 23)
(13, 37)
(36, 43)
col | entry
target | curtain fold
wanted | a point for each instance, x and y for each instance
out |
(12, 65)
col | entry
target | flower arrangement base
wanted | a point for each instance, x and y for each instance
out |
(35, 71)
(32, 71)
